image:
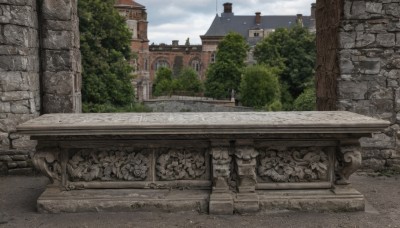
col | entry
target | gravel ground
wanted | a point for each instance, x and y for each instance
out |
(18, 198)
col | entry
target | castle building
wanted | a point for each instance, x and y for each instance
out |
(253, 28)
(136, 18)
(175, 56)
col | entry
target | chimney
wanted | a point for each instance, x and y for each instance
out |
(258, 18)
(299, 19)
(227, 7)
(313, 8)
(175, 43)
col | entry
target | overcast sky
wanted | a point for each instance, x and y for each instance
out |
(179, 19)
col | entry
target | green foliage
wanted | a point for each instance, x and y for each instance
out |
(163, 74)
(187, 82)
(225, 74)
(164, 88)
(108, 108)
(178, 65)
(232, 48)
(294, 52)
(105, 48)
(260, 87)
(306, 101)
(222, 77)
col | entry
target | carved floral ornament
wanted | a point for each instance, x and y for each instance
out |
(108, 165)
(293, 165)
(181, 164)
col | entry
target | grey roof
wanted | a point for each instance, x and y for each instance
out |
(228, 22)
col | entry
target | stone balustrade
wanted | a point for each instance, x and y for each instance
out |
(219, 163)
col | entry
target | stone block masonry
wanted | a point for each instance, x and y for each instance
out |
(39, 70)
(369, 63)
(61, 60)
(19, 81)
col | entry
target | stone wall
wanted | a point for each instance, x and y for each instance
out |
(193, 106)
(369, 60)
(19, 80)
(39, 70)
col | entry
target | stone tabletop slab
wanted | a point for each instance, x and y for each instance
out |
(201, 123)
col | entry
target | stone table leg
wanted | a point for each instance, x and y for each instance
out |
(348, 162)
(221, 200)
(245, 156)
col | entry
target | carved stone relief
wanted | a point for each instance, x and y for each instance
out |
(221, 161)
(282, 164)
(348, 161)
(181, 164)
(246, 168)
(48, 163)
(108, 165)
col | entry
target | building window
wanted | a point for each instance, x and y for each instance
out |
(256, 34)
(213, 57)
(161, 63)
(196, 65)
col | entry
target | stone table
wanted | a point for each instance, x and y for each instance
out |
(219, 163)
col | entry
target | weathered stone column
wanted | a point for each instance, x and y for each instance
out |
(245, 156)
(358, 69)
(221, 200)
(369, 74)
(61, 61)
(19, 81)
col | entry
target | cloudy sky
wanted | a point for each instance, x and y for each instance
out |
(180, 19)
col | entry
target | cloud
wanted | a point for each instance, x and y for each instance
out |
(178, 19)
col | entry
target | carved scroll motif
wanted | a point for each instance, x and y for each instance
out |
(294, 165)
(348, 161)
(221, 162)
(246, 168)
(108, 165)
(181, 164)
(48, 163)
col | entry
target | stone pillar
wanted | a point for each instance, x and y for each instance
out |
(369, 58)
(246, 162)
(221, 200)
(19, 81)
(61, 61)
(358, 70)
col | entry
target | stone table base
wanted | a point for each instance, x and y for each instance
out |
(124, 200)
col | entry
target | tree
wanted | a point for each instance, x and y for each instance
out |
(222, 77)
(189, 81)
(225, 74)
(294, 52)
(260, 87)
(163, 82)
(105, 48)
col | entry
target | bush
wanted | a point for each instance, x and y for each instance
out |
(306, 101)
(260, 87)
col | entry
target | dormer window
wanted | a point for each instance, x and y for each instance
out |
(256, 34)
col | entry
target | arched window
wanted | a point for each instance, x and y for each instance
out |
(213, 57)
(196, 65)
(161, 63)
